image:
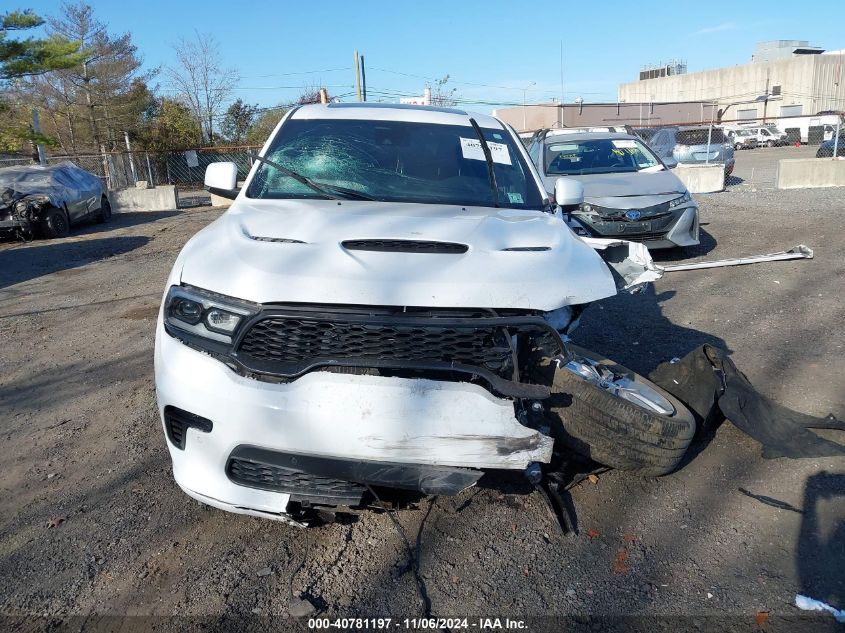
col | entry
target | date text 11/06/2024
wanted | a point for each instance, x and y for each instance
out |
(436, 624)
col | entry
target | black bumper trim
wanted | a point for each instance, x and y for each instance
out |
(428, 479)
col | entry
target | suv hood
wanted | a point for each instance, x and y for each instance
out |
(619, 190)
(242, 255)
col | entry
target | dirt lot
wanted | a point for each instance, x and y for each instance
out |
(707, 548)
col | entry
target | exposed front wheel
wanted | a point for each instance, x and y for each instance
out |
(618, 418)
(54, 224)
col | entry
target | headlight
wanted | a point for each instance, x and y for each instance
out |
(205, 314)
(679, 201)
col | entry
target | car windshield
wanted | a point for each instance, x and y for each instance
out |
(699, 136)
(599, 156)
(396, 161)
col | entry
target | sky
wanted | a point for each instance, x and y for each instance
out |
(495, 53)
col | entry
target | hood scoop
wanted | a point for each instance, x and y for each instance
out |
(405, 246)
(280, 240)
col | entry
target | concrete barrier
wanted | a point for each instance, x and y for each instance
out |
(161, 198)
(702, 178)
(800, 173)
(220, 201)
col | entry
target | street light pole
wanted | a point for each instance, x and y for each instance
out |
(524, 91)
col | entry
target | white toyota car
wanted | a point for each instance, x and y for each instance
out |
(386, 306)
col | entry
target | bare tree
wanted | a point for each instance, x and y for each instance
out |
(443, 96)
(200, 80)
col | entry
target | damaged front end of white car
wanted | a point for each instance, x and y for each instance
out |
(367, 319)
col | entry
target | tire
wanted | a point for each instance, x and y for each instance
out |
(55, 224)
(105, 211)
(738, 147)
(770, 143)
(617, 433)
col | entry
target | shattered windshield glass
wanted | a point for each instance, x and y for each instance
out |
(599, 156)
(397, 161)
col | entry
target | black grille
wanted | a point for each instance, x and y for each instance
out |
(404, 246)
(293, 342)
(301, 486)
(644, 237)
(177, 421)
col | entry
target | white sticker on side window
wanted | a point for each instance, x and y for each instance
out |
(471, 149)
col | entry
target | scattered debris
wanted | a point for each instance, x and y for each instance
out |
(264, 572)
(592, 534)
(593, 479)
(810, 604)
(796, 252)
(710, 385)
(619, 565)
(301, 607)
(629, 538)
(761, 618)
(55, 522)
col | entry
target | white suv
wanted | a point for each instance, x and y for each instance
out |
(383, 307)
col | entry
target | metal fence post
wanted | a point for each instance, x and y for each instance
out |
(836, 138)
(149, 169)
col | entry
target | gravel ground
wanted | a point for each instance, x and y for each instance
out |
(84, 451)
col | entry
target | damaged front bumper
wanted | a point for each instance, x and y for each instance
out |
(422, 434)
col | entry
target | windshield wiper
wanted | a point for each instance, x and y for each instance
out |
(323, 189)
(489, 158)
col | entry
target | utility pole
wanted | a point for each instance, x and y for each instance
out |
(363, 79)
(36, 127)
(358, 76)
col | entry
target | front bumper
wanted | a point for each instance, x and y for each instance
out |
(679, 229)
(332, 415)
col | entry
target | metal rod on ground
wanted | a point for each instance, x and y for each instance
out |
(796, 252)
(131, 162)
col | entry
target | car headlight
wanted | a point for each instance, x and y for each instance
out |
(205, 314)
(679, 201)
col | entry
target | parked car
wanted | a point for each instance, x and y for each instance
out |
(645, 133)
(37, 201)
(826, 149)
(628, 191)
(768, 136)
(689, 145)
(743, 139)
(382, 308)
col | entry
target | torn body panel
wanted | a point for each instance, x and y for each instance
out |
(630, 262)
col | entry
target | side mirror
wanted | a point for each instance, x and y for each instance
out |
(569, 192)
(221, 179)
(670, 162)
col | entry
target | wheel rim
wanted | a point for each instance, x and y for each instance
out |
(60, 224)
(636, 393)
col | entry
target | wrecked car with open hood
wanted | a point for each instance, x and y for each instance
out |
(386, 305)
(44, 201)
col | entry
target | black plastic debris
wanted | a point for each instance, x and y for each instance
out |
(709, 383)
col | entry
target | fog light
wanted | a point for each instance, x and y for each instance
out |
(186, 310)
(221, 320)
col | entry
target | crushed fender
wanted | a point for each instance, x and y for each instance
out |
(629, 262)
(796, 252)
(712, 387)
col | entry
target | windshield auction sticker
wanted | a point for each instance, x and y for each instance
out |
(472, 150)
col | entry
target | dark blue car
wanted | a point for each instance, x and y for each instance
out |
(826, 149)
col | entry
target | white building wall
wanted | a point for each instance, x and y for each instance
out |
(808, 80)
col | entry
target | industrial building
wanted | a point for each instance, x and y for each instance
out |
(785, 78)
(546, 115)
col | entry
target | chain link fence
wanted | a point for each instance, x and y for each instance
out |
(184, 168)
